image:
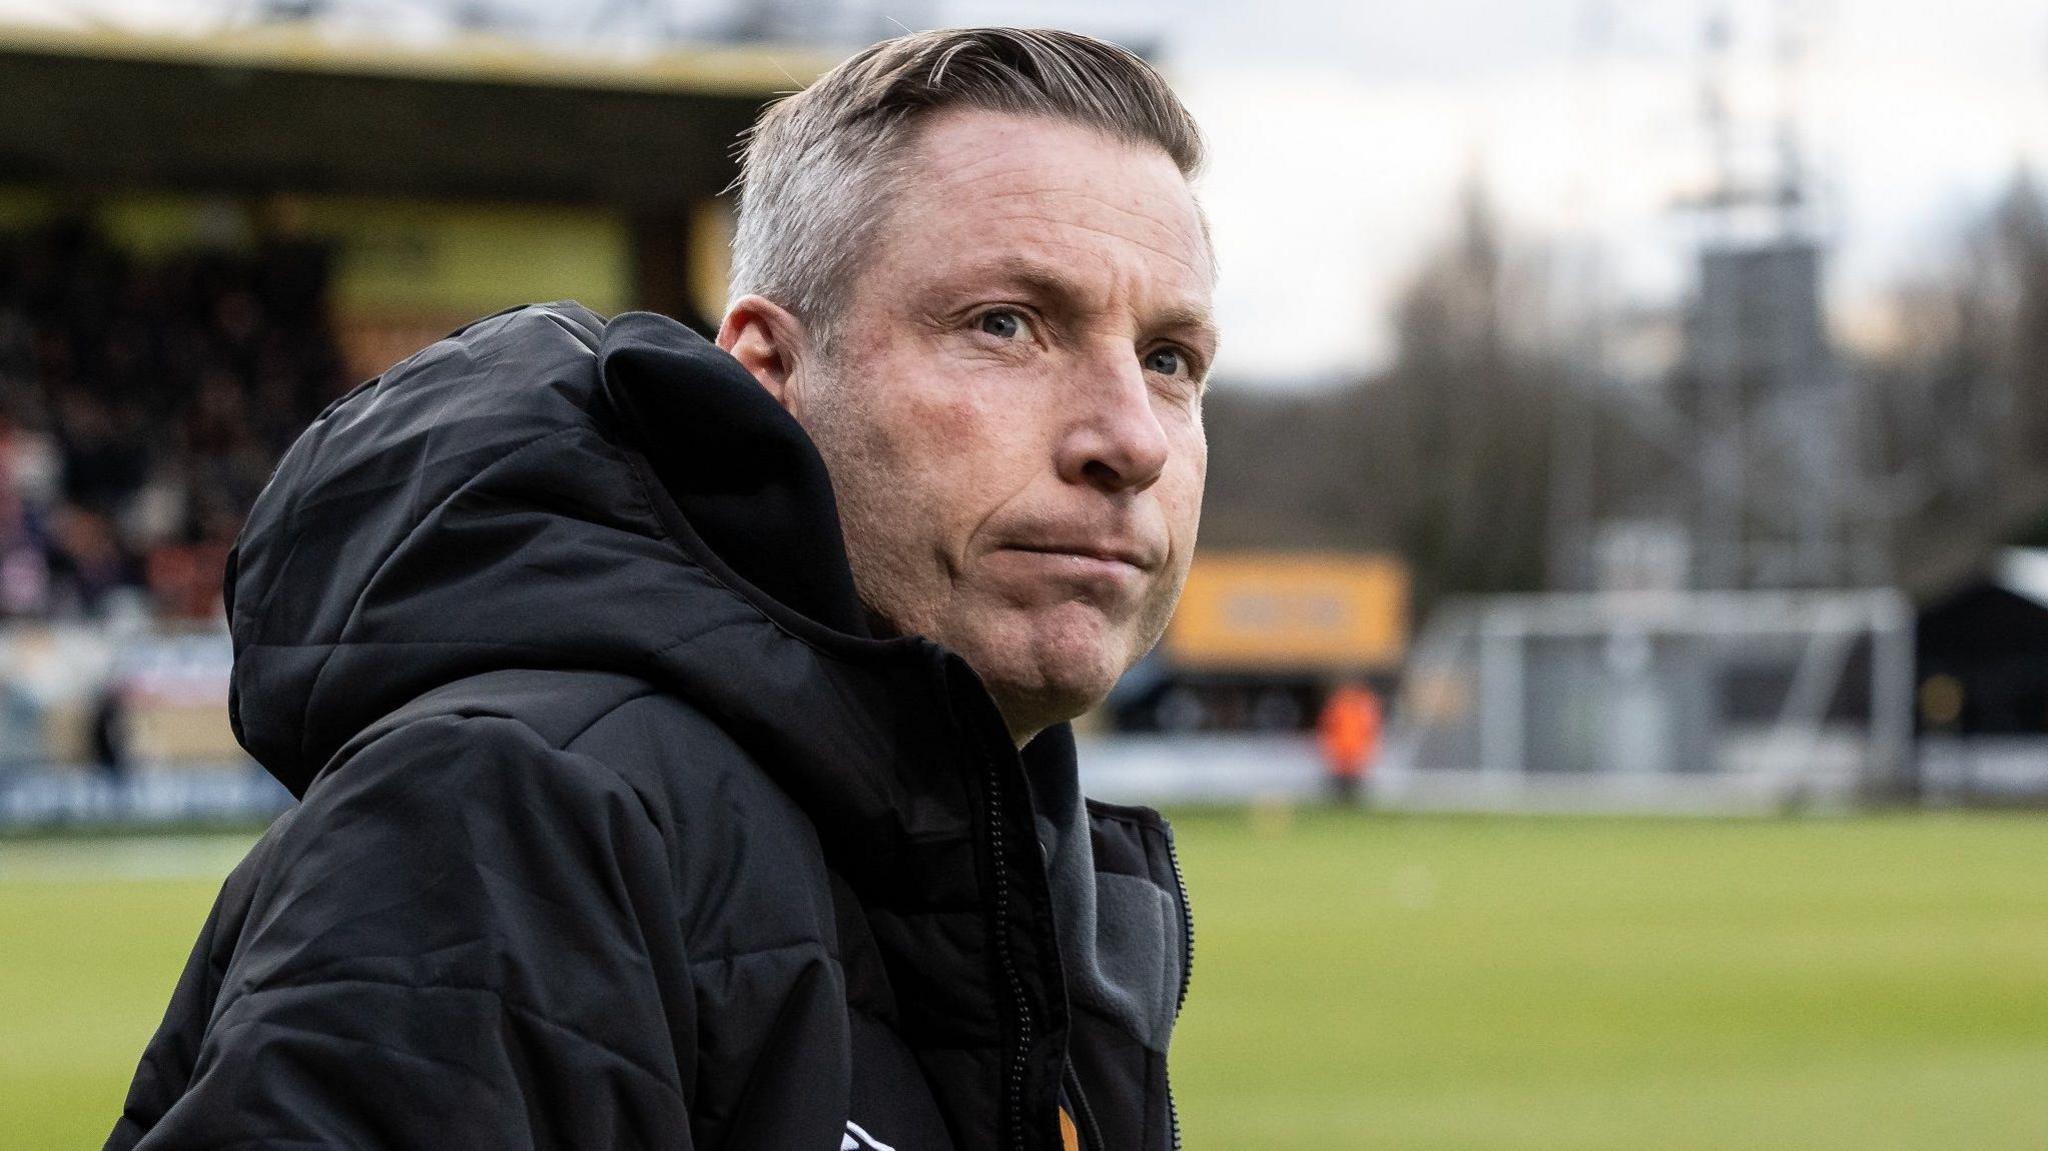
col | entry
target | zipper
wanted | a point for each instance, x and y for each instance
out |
(1187, 924)
(1187, 969)
(1014, 1087)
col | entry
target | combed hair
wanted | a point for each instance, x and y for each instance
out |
(820, 168)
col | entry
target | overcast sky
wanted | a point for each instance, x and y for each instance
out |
(1341, 133)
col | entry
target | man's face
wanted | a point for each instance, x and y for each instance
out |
(1011, 412)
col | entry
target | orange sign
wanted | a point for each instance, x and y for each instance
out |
(1293, 611)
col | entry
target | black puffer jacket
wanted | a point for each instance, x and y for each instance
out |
(618, 829)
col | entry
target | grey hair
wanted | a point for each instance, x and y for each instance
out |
(820, 169)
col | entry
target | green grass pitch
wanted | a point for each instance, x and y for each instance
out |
(1382, 982)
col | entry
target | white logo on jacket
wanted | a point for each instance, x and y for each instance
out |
(859, 1140)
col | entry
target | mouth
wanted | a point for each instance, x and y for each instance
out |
(1109, 555)
(1110, 575)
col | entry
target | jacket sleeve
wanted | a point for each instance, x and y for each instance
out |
(466, 939)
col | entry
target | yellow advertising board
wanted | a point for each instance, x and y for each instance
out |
(1283, 611)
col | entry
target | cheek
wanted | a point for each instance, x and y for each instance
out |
(1188, 472)
(959, 442)
(914, 409)
(886, 443)
(937, 425)
(924, 465)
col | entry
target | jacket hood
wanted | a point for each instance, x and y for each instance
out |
(546, 489)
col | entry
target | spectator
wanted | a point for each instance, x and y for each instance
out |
(167, 389)
(1348, 735)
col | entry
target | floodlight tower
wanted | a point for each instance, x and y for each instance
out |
(1774, 471)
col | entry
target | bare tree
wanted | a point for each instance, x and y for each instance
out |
(1441, 457)
(1958, 411)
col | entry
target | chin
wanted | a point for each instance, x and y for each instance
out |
(1050, 672)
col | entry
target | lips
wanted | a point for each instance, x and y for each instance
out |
(1132, 556)
(1041, 569)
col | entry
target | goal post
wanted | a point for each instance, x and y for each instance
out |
(1671, 701)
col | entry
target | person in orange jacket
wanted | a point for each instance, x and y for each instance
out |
(1348, 734)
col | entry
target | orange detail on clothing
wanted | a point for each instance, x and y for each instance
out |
(1070, 1138)
(1349, 731)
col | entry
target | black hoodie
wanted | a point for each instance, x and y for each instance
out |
(617, 826)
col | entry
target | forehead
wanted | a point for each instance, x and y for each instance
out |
(984, 188)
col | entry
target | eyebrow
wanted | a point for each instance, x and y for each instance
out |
(1197, 322)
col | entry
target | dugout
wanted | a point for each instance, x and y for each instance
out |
(1982, 696)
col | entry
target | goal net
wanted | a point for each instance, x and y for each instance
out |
(1668, 701)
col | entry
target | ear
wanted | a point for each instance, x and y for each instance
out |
(768, 340)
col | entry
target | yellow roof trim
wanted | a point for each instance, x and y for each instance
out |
(756, 71)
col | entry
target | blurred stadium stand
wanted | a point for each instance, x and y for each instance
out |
(142, 409)
(205, 239)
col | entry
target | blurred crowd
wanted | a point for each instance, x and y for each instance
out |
(143, 403)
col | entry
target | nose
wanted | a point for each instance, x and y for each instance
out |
(1113, 439)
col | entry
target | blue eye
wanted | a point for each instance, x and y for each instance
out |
(1166, 361)
(1002, 325)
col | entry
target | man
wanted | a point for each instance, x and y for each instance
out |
(642, 805)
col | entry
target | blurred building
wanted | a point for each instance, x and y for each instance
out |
(1982, 696)
(1778, 499)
